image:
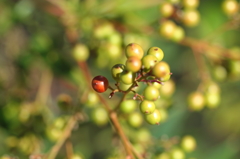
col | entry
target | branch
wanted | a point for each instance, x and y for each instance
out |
(65, 135)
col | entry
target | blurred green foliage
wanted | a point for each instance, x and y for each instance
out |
(36, 66)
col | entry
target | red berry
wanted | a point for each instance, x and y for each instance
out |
(100, 84)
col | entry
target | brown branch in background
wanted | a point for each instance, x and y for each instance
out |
(117, 126)
(200, 63)
(204, 47)
(65, 135)
(69, 149)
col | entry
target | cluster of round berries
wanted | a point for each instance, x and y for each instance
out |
(178, 150)
(147, 68)
(178, 12)
(210, 97)
(230, 7)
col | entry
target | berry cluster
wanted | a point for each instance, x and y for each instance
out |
(176, 12)
(138, 67)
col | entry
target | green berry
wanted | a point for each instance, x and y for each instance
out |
(147, 107)
(167, 89)
(177, 153)
(127, 77)
(80, 52)
(135, 119)
(151, 93)
(196, 101)
(133, 64)
(166, 9)
(161, 70)
(191, 18)
(148, 62)
(178, 34)
(117, 70)
(157, 52)
(190, 4)
(167, 29)
(230, 7)
(153, 118)
(188, 143)
(212, 99)
(128, 106)
(134, 49)
(99, 116)
(124, 87)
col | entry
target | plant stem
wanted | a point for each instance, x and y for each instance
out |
(65, 135)
(116, 124)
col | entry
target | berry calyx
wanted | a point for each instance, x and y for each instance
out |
(100, 84)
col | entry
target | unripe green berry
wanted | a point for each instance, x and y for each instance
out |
(166, 9)
(191, 18)
(117, 70)
(177, 153)
(178, 34)
(188, 143)
(80, 52)
(153, 118)
(135, 119)
(128, 106)
(134, 49)
(147, 107)
(148, 62)
(196, 101)
(230, 7)
(99, 116)
(151, 93)
(161, 70)
(167, 29)
(190, 4)
(127, 77)
(133, 64)
(157, 52)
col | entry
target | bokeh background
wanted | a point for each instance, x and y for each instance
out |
(38, 70)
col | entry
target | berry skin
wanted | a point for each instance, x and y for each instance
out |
(161, 70)
(148, 62)
(147, 107)
(117, 70)
(100, 84)
(128, 106)
(151, 93)
(157, 52)
(135, 119)
(127, 77)
(133, 64)
(134, 49)
(153, 118)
